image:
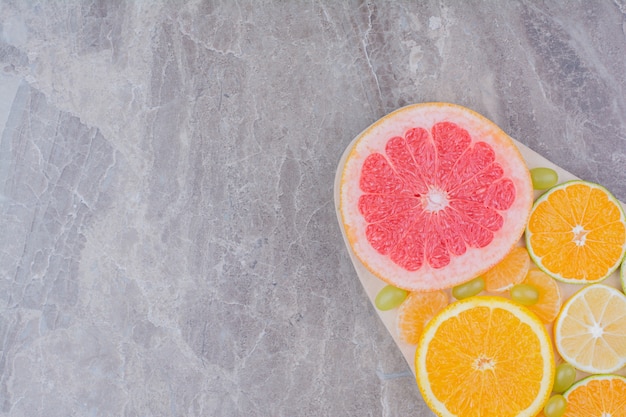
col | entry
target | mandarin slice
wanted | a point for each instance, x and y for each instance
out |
(597, 395)
(416, 311)
(549, 303)
(509, 271)
(577, 232)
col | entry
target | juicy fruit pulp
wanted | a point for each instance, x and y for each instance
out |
(577, 232)
(474, 355)
(433, 195)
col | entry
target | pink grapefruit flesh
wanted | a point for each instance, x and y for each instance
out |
(432, 195)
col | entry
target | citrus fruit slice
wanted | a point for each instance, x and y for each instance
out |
(416, 311)
(597, 395)
(590, 330)
(623, 275)
(432, 195)
(577, 232)
(549, 303)
(485, 356)
(509, 271)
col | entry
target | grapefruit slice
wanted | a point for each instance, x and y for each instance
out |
(433, 195)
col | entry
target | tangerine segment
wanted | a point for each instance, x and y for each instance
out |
(432, 195)
(416, 311)
(549, 303)
(597, 395)
(577, 232)
(509, 271)
(590, 330)
(485, 356)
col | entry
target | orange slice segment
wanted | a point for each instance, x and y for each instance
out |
(508, 272)
(416, 311)
(485, 356)
(577, 232)
(597, 395)
(549, 303)
(590, 330)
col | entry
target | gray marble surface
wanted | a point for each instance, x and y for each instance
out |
(168, 239)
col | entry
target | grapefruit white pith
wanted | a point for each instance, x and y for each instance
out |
(433, 195)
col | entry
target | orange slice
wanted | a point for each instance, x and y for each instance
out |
(590, 330)
(577, 232)
(485, 356)
(509, 271)
(549, 303)
(433, 195)
(416, 311)
(597, 395)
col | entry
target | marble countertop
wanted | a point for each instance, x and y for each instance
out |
(168, 243)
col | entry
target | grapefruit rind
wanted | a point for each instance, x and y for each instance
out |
(538, 259)
(610, 293)
(525, 316)
(474, 261)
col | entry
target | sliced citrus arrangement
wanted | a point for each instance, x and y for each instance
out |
(485, 356)
(577, 232)
(433, 195)
(416, 311)
(548, 304)
(509, 271)
(590, 330)
(597, 395)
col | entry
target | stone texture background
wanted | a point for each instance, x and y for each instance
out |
(168, 239)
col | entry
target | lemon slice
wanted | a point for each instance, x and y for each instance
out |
(590, 330)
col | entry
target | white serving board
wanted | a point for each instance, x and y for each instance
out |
(372, 284)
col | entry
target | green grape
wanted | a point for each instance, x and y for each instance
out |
(543, 178)
(525, 294)
(564, 377)
(468, 289)
(390, 297)
(555, 407)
